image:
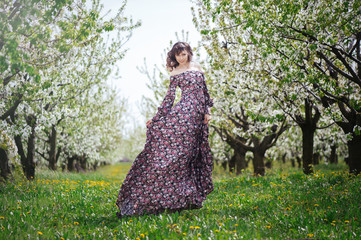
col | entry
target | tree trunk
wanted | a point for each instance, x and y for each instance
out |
(308, 125)
(71, 164)
(224, 165)
(293, 162)
(27, 161)
(258, 163)
(232, 163)
(284, 158)
(240, 160)
(30, 170)
(95, 165)
(268, 164)
(333, 156)
(354, 154)
(4, 164)
(83, 161)
(52, 151)
(307, 148)
(299, 161)
(316, 158)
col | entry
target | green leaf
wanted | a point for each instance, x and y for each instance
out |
(205, 32)
(37, 79)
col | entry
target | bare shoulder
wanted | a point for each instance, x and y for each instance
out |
(174, 72)
(197, 66)
(192, 66)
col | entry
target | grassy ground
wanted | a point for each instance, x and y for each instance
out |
(285, 204)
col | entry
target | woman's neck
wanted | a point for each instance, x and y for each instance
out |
(183, 66)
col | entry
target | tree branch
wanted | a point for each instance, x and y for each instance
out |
(323, 56)
(11, 111)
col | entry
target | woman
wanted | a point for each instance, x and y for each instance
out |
(174, 170)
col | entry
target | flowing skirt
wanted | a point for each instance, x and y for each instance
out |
(173, 171)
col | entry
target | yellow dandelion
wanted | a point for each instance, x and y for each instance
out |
(40, 233)
(255, 207)
(234, 231)
(310, 235)
(191, 227)
(142, 235)
(184, 234)
(197, 227)
(268, 226)
(19, 207)
(198, 234)
(217, 231)
(174, 225)
(347, 221)
(62, 238)
(236, 225)
(230, 205)
(76, 223)
(2, 217)
(316, 205)
(137, 238)
(333, 224)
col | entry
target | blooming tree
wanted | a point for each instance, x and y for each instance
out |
(313, 43)
(55, 57)
(247, 117)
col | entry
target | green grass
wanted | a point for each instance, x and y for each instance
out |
(284, 204)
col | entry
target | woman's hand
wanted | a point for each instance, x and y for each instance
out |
(149, 122)
(207, 118)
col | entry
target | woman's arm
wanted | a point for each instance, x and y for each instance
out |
(208, 100)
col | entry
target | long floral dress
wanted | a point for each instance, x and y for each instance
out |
(174, 170)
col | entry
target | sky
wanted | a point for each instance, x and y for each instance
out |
(161, 19)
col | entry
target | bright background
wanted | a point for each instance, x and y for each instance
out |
(161, 19)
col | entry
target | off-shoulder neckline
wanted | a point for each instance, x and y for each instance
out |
(192, 70)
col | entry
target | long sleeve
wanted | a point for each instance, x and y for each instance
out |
(168, 100)
(208, 100)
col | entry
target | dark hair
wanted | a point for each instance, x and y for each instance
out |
(176, 50)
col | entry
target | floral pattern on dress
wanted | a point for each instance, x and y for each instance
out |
(174, 171)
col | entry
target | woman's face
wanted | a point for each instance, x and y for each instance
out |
(182, 57)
